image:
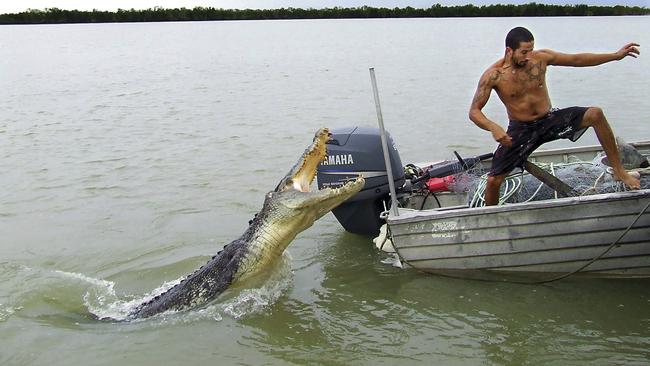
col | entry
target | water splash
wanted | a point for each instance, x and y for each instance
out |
(6, 312)
(102, 301)
(393, 259)
(256, 296)
(257, 300)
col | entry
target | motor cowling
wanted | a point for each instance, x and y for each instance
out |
(354, 151)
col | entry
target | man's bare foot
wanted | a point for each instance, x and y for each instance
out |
(630, 180)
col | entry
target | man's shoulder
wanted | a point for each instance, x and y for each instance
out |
(543, 54)
(493, 72)
(497, 65)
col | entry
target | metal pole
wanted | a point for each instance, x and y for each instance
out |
(384, 144)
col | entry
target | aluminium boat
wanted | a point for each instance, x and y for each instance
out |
(451, 233)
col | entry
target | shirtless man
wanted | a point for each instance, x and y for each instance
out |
(519, 79)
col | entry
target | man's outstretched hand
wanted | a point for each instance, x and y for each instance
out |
(630, 49)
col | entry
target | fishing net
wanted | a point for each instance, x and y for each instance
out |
(585, 177)
(469, 180)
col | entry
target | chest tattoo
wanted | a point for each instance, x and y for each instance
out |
(535, 74)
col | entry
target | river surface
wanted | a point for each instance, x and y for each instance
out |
(131, 153)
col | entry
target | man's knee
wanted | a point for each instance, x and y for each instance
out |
(494, 181)
(594, 116)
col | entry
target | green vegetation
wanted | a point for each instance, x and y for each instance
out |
(57, 16)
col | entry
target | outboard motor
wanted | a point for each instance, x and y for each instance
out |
(353, 151)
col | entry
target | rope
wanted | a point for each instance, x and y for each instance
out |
(601, 254)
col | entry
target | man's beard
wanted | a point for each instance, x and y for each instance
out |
(519, 64)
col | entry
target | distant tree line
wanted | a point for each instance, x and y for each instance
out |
(157, 14)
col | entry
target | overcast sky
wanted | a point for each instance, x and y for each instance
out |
(10, 6)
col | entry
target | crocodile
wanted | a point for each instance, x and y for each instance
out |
(287, 210)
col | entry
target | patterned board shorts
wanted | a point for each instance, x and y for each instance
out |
(528, 136)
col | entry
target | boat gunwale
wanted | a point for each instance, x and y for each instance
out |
(411, 215)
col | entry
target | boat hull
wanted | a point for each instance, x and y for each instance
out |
(553, 236)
